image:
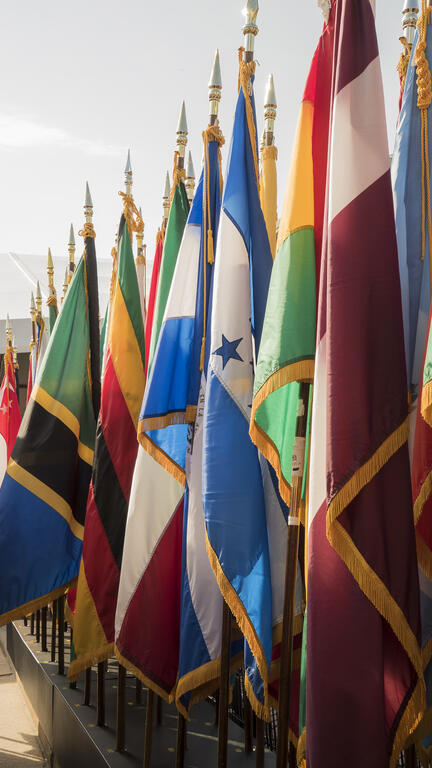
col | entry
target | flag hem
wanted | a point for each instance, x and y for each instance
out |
(161, 457)
(302, 371)
(370, 583)
(86, 660)
(237, 608)
(33, 605)
(168, 697)
(199, 684)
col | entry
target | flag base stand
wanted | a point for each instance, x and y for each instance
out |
(68, 730)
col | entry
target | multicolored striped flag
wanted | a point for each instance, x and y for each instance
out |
(287, 349)
(239, 497)
(413, 227)
(363, 634)
(150, 575)
(152, 294)
(115, 455)
(44, 492)
(10, 414)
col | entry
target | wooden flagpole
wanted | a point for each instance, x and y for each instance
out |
(224, 687)
(121, 703)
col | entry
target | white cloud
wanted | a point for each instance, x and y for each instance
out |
(18, 132)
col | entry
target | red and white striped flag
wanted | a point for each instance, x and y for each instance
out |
(365, 690)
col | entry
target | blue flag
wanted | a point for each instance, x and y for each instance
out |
(233, 490)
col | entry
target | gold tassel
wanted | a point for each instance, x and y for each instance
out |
(210, 247)
(202, 353)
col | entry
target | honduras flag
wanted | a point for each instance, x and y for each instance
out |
(233, 492)
(201, 606)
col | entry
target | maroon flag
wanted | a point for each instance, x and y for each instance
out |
(365, 690)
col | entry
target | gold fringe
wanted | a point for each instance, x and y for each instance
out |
(202, 682)
(160, 422)
(423, 495)
(424, 755)
(191, 412)
(81, 663)
(162, 458)
(300, 371)
(270, 153)
(248, 630)
(168, 697)
(34, 605)
(301, 750)
(69, 616)
(369, 582)
(426, 403)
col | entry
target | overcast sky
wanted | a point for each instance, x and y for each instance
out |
(83, 81)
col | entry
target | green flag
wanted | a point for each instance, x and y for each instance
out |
(178, 214)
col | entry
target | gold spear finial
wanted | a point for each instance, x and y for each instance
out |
(71, 252)
(128, 175)
(409, 22)
(166, 199)
(182, 136)
(65, 283)
(50, 270)
(190, 178)
(140, 259)
(88, 206)
(270, 107)
(38, 298)
(250, 29)
(215, 89)
(8, 330)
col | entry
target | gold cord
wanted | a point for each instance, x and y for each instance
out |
(246, 72)
(424, 99)
(52, 300)
(87, 230)
(212, 133)
(179, 175)
(131, 213)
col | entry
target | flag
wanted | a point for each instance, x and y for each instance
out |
(287, 349)
(152, 294)
(235, 484)
(201, 600)
(268, 192)
(175, 226)
(363, 631)
(150, 575)
(115, 455)
(10, 415)
(44, 492)
(410, 184)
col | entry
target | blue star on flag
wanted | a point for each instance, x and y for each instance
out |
(228, 350)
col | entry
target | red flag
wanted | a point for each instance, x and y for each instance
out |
(365, 688)
(152, 294)
(10, 415)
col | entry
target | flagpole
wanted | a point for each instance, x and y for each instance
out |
(93, 301)
(409, 22)
(297, 472)
(190, 178)
(71, 252)
(166, 200)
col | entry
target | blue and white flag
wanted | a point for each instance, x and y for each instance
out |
(233, 492)
(201, 603)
